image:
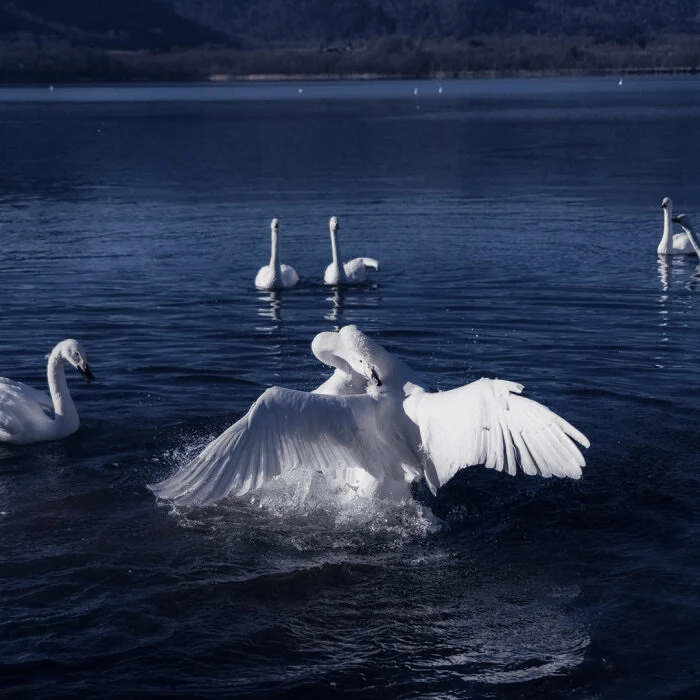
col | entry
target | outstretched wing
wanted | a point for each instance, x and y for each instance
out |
(284, 429)
(487, 422)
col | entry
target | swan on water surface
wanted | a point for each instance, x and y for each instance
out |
(689, 232)
(353, 272)
(390, 434)
(673, 243)
(28, 415)
(275, 275)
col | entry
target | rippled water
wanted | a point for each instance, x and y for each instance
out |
(516, 224)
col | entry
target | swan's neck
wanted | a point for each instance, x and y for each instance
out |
(336, 255)
(274, 255)
(692, 238)
(63, 405)
(665, 244)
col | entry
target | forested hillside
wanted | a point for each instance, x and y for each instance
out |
(331, 20)
(198, 39)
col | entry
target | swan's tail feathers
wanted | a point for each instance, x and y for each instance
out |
(487, 422)
(370, 262)
(284, 430)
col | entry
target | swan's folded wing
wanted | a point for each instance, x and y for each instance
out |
(370, 262)
(20, 390)
(21, 406)
(284, 429)
(488, 422)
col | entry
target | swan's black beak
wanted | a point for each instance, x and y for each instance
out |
(677, 218)
(375, 377)
(86, 372)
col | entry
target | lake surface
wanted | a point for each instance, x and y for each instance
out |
(516, 224)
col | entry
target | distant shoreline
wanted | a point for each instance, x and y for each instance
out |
(230, 79)
(46, 62)
(441, 75)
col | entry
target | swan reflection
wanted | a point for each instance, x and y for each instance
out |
(693, 280)
(670, 266)
(337, 300)
(664, 274)
(271, 305)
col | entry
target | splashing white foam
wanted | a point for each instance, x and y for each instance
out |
(308, 500)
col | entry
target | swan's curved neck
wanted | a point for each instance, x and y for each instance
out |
(332, 360)
(692, 238)
(336, 254)
(63, 405)
(665, 243)
(274, 254)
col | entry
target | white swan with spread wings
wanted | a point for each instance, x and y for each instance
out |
(395, 431)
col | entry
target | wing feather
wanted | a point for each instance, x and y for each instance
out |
(487, 422)
(284, 429)
(22, 405)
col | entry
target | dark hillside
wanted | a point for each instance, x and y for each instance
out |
(122, 24)
(325, 20)
(197, 39)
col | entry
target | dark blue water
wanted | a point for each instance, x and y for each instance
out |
(516, 224)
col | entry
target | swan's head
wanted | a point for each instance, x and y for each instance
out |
(683, 220)
(333, 224)
(275, 225)
(666, 203)
(365, 356)
(72, 351)
(324, 347)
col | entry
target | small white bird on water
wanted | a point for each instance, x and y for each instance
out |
(353, 272)
(28, 415)
(395, 432)
(673, 243)
(275, 275)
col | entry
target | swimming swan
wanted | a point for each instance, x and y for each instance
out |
(684, 221)
(275, 275)
(353, 272)
(673, 243)
(28, 415)
(396, 432)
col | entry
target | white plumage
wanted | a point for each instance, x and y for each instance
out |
(394, 432)
(28, 415)
(328, 348)
(275, 275)
(352, 272)
(688, 232)
(673, 243)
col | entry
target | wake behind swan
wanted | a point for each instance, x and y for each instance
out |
(373, 428)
